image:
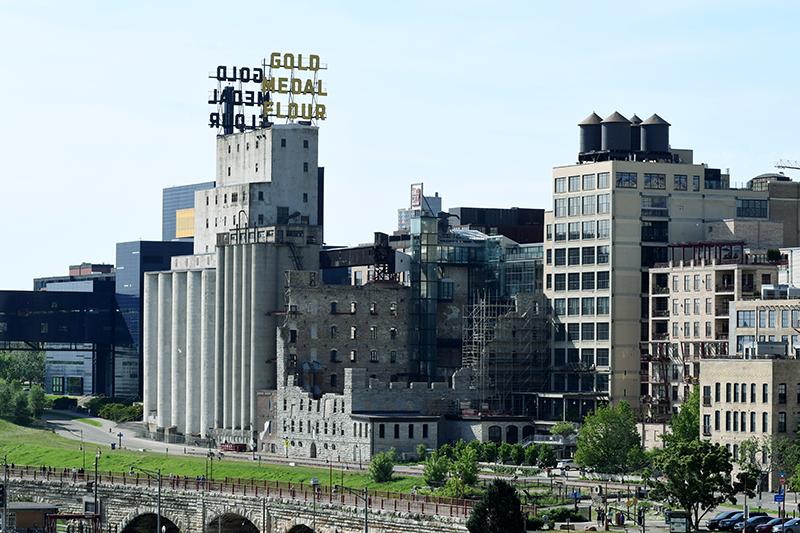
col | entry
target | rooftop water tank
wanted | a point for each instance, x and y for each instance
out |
(655, 135)
(590, 134)
(636, 133)
(616, 133)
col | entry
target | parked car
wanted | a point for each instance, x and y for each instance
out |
(713, 523)
(731, 524)
(752, 522)
(767, 527)
(791, 526)
(727, 524)
(566, 464)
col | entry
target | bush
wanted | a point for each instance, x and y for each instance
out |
(65, 403)
(436, 469)
(535, 523)
(562, 514)
(381, 467)
(422, 452)
(490, 452)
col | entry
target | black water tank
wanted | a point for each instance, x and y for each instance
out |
(616, 133)
(590, 134)
(655, 135)
(636, 133)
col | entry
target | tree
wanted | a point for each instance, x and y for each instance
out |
(695, 477)
(435, 470)
(498, 511)
(489, 452)
(465, 467)
(478, 447)
(685, 426)
(37, 400)
(22, 365)
(422, 452)
(547, 456)
(517, 454)
(532, 454)
(504, 451)
(563, 429)
(380, 468)
(609, 441)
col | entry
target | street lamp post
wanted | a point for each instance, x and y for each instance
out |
(152, 474)
(5, 491)
(96, 463)
(314, 484)
(355, 493)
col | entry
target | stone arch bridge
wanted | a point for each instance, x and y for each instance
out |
(132, 507)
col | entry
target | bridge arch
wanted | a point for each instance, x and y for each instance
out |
(233, 521)
(144, 520)
(300, 528)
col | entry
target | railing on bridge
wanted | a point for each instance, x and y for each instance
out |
(378, 499)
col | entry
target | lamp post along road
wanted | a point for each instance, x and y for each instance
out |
(314, 484)
(365, 497)
(152, 474)
(5, 494)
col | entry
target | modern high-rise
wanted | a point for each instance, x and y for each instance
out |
(177, 211)
(614, 214)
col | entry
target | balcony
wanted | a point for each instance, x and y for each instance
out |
(721, 336)
(659, 290)
(660, 336)
(724, 288)
(660, 313)
(722, 312)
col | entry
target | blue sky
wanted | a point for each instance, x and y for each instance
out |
(105, 103)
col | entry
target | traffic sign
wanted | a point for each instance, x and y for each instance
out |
(628, 503)
(635, 501)
(779, 498)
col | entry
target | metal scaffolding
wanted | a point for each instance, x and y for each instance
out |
(506, 343)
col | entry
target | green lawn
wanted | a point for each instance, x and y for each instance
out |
(91, 421)
(41, 447)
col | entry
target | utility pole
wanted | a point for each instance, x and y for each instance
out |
(5, 496)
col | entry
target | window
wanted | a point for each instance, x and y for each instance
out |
(746, 319)
(373, 332)
(261, 196)
(655, 181)
(353, 332)
(602, 279)
(574, 231)
(752, 208)
(765, 393)
(353, 308)
(587, 306)
(680, 182)
(728, 390)
(588, 182)
(549, 232)
(588, 255)
(353, 356)
(675, 329)
(334, 356)
(381, 431)
(709, 307)
(626, 180)
(561, 232)
(393, 309)
(735, 392)
(708, 329)
(587, 331)
(574, 183)
(397, 431)
(574, 281)
(687, 284)
(717, 391)
(603, 229)
(603, 180)
(334, 331)
(393, 356)
(588, 229)
(781, 392)
(695, 183)
(333, 381)
(392, 333)
(561, 185)
(752, 422)
(573, 306)
(602, 305)
(602, 255)
(602, 355)
(603, 203)
(560, 282)
(588, 205)
(753, 393)
(676, 306)
(727, 420)
(764, 419)
(716, 420)
(411, 431)
(560, 307)
(574, 206)
(588, 281)
(561, 257)
(373, 356)
(697, 306)
(560, 209)
(574, 256)
(602, 331)
(781, 422)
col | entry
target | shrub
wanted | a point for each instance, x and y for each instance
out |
(490, 452)
(65, 403)
(562, 514)
(380, 468)
(422, 452)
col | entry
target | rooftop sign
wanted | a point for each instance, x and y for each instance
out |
(285, 87)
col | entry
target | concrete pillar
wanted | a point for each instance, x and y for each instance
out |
(164, 348)
(248, 393)
(227, 336)
(178, 388)
(149, 371)
(194, 344)
(235, 312)
(219, 346)
(261, 330)
(208, 376)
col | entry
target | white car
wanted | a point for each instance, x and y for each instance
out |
(566, 464)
